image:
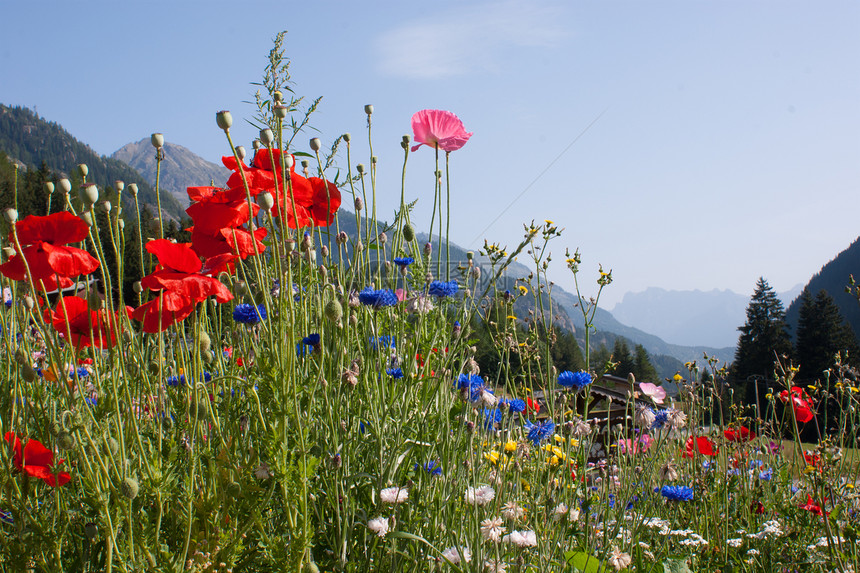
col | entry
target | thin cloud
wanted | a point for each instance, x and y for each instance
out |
(467, 40)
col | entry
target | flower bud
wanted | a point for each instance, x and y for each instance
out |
(406, 139)
(324, 251)
(87, 217)
(257, 145)
(29, 302)
(129, 488)
(315, 144)
(133, 188)
(65, 441)
(49, 187)
(267, 137)
(137, 287)
(408, 232)
(368, 109)
(347, 137)
(333, 311)
(341, 238)
(305, 164)
(65, 185)
(277, 96)
(157, 140)
(428, 249)
(280, 111)
(10, 215)
(240, 153)
(224, 119)
(88, 195)
(119, 185)
(360, 168)
(265, 201)
(121, 224)
(373, 160)
(106, 206)
(91, 530)
(359, 204)
(307, 242)
(382, 238)
(112, 446)
(83, 170)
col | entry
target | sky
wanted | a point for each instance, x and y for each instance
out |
(684, 145)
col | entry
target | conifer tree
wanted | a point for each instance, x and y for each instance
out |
(643, 369)
(763, 338)
(621, 355)
(821, 334)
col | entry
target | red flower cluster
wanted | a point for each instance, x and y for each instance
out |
(219, 217)
(181, 281)
(801, 402)
(814, 507)
(84, 327)
(36, 461)
(700, 445)
(741, 434)
(43, 245)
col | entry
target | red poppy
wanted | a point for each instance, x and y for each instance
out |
(813, 507)
(757, 507)
(741, 434)
(228, 241)
(812, 460)
(700, 445)
(532, 405)
(85, 327)
(43, 241)
(36, 460)
(801, 403)
(164, 311)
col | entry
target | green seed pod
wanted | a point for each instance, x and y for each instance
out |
(408, 233)
(112, 446)
(29, 303)
(20, 357)
(49, 187)
(311, 568)
(65, 441)
(240, 152)
(157, 140)
(224, 119)
(88, 194)
(129, 488)
(83, 170)
(333, 311)
(65, 185)
(27, 373)
(205, 342)
(88, 218)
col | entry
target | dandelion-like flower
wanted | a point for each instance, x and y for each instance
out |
(394, 495)
(443, 289)
(644, 416)
(480, 495)
(521, 538)
(495, 566)
(439, 128)
(492, 529)
(378, 525)
(668, 471)
(512, 511)
(576, 380)
(675, 419)
(249, 314)
(377, 298)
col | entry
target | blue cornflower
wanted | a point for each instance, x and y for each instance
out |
(311, 341)
(660, 418)
(516, 405)
(578, 380)
(249, 314)
(82, 373)
(396, 373)
(442, 288)
(377, 298)
(766, 475)
(432, 467)
(91, 401)
(403, 262)
(677, 492)
(539, 432)
(383, 342)
(491, 417)
(176, 380)
(474, 384)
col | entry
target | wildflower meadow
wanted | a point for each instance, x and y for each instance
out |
(295, 388)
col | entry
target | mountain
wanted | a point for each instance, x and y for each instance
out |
(31, 140)
(833, 278)
(180, 168)
(708, 318)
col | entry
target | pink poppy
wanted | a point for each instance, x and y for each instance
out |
(635, 446)
(656, 393)
(437, 128)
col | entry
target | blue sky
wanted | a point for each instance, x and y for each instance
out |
(728, 147)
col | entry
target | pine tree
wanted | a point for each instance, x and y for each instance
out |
(821, 333)
(763, 338)
(643, 369)
(621, 355)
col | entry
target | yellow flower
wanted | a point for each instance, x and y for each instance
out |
(525, 485)
(769, 396)
(523, 290)
(813, 388)
(548, 222)
(510, 446)
(553, 461)
(849, 485)
(512, 316)
(855, 389)
(574, 442)
(677, 378)
(558, 439)
(492, 457)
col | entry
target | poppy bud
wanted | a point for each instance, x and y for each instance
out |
(265, 201)
(267, 137)
(137, 287)
(315, 144)
(347, 137)
(382, 238)
(157, 140)
(119, 185)
(360, 168)
(65, 441)
(29, 302)
(311, 568)
(65, 185)
(27, 373)
(257, 145)
(240, 289)
(408, 232)
(91, 530)
(88, 218)
(10, 215)
(205, 341)
(333, 311)
(240, 152)
(133, 188)
(368, 109)
(324, 251)
(129, 488)
(112, 446)
(428, 249)
(83, 170)
(49, 187)
(280, 111)
(106, 206)
(224, 119)
(94, 301)
(88, 195)
(359, 204)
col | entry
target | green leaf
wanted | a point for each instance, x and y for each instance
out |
(582, 561)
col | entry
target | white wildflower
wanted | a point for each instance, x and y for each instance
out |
(480, 495)
(394, 495)
(456, 554)
(618, 559)
(753, 552)
(511, 511)
(493, 566)
(559, 511)
(644, 417)
(521, 538)
(379, 526)
(668, 471)
(675, 419)
(492, 529)
(736, 542)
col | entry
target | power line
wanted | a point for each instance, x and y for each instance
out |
(535, 180)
